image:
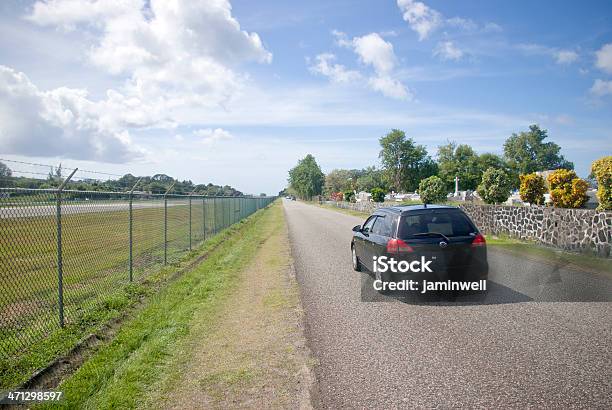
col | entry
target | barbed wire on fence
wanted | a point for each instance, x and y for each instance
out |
(24, 174)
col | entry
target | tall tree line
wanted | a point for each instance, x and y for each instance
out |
(404, 163)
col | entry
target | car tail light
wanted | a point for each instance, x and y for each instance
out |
(479, 240)
(398, 246)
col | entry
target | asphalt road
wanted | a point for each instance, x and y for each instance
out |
(540, 337)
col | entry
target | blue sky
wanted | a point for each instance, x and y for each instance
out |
(235, 93)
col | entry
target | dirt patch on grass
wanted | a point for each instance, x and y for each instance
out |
(254, 355)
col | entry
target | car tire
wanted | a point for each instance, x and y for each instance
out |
(355, 259)
(384, 277)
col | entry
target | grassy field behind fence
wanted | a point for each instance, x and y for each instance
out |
(95, 253)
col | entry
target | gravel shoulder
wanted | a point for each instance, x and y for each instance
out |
(253, 353)
(541, 337)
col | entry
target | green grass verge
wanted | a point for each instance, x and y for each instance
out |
(122, 371)
(576, 260)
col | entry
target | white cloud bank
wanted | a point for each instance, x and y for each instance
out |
(565, 56)
(167, 55)
(372, 50)
(447, 50)
(421, 18)
(604, 58)
(424, 20)
(337, 73)
(561, 56)
(210, 135)
(58, 122)
(601, 88)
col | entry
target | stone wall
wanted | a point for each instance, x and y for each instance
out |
(569, 229)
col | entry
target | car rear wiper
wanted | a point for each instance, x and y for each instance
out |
(432, 233)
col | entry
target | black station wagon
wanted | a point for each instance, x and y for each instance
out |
(444, 235)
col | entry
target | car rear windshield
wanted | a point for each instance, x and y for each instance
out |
(447, 222)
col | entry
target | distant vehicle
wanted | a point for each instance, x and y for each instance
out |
(292, 198)
(444, 235)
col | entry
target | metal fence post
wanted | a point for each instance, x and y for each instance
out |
(131, 230)
(189, 222)
(130, 261)
(165, 230)
(60, 272)
(60, 264)
(203, 219)
(166, 224)
(214, 216)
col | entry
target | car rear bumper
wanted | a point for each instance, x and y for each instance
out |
(473, 272)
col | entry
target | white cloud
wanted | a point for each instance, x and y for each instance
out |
(166, 55)
(601, 88)
(389, 87)
(62, 122)
(420, 17)
(446, 50)
(424, 20)
(341, 39)
(492, 27)
(210, 135)
(604, 58)
(374, 51)
(68, 13)
(336, 72)
(465, 24)
(566, 56)
(171, 54)
(559, 55)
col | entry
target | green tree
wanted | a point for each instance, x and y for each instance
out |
(527, 152)
(338, 180)
(5, 175)
(378, 195)
(462, 161)
(533, 188)
(495, 187)
(602, 171)
(405, 163)
(459, 161)
(567, 190)
(5, 171)
(349, 196)
(488, 160)
(369, 179)
(432, 190)
(307, 178)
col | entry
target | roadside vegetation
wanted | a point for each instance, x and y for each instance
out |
(153, 351)
(406, 165)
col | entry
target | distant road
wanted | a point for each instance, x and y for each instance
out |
(78, 208)
(541, 337)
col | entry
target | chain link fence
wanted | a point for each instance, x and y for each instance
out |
(63, 252)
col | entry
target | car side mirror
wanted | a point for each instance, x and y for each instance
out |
(357, 228)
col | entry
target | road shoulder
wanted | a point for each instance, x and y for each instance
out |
(253, 353)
